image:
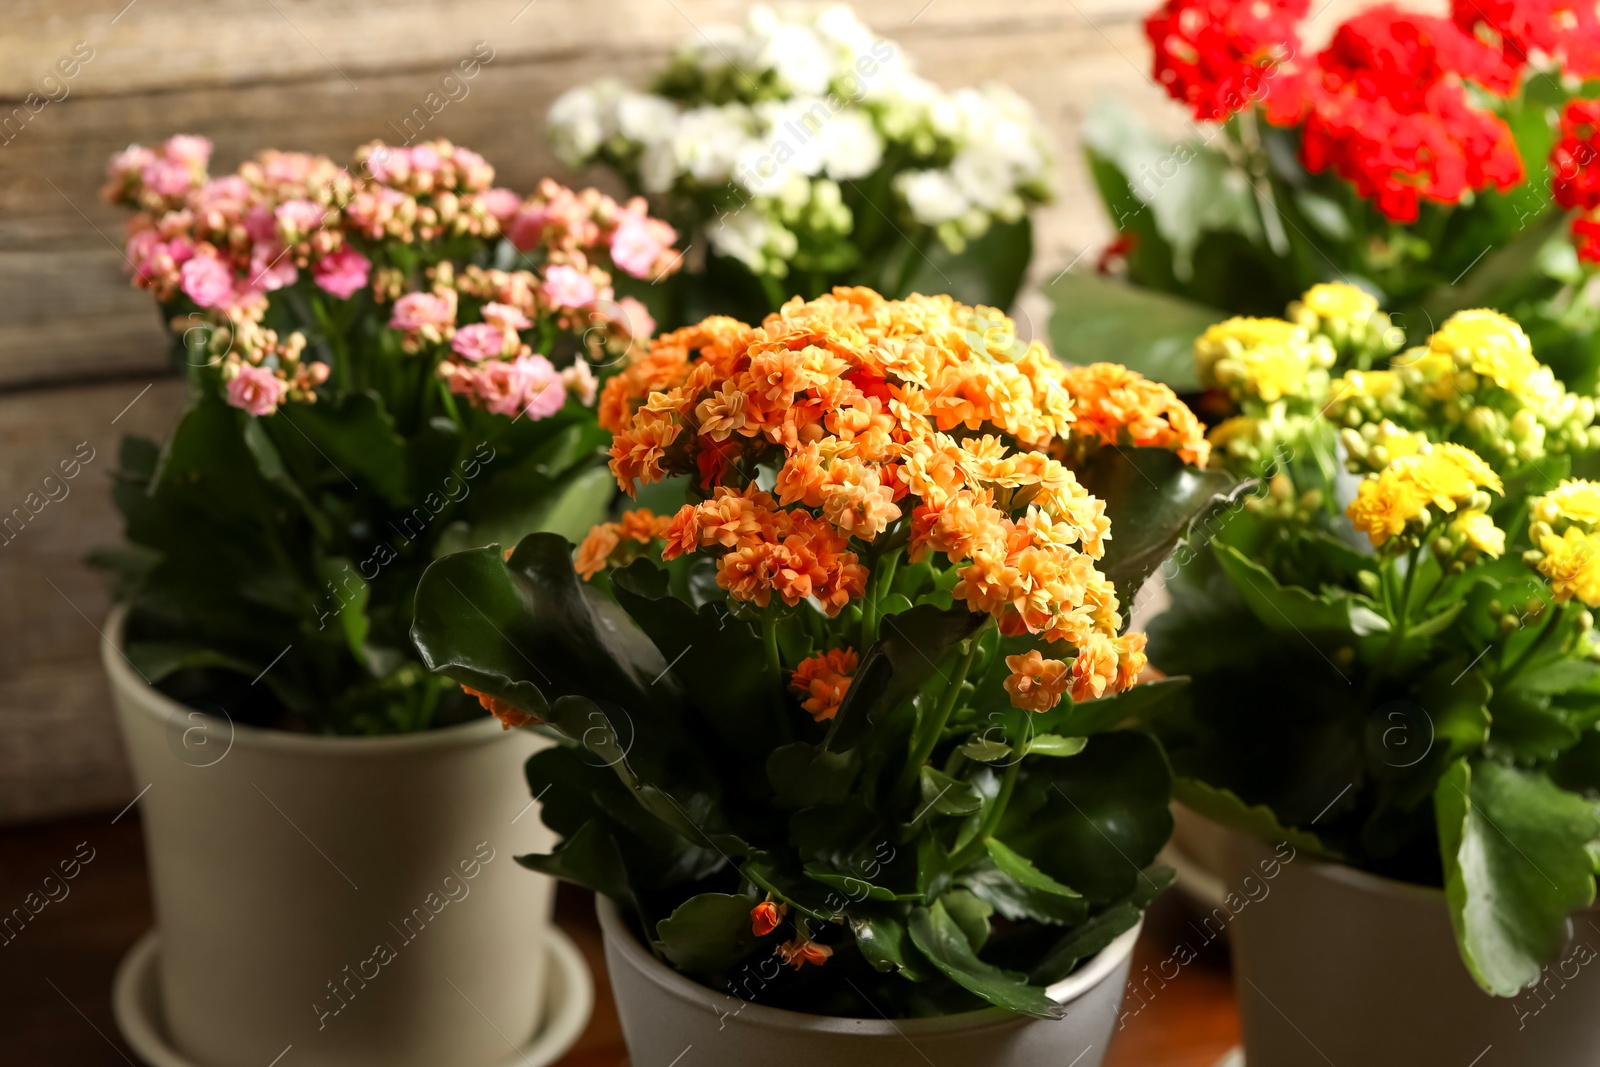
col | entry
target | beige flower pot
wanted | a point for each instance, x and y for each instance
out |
(1339, 966)
(352, 899)
(668, 1019)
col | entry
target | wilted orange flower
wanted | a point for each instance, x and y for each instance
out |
(799, 953)
(509, 714)
(824, 678)
(765, 917)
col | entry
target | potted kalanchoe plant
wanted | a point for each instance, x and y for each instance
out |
(384, 361)
(1441, 163)
(800, 151)
(1395, 670)
(842, 739)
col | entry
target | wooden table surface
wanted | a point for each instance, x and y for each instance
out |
(55, 977)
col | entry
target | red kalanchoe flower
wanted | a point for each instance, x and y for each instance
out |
(1389, 113)
(1586, 237)
(1562, 30)
(1575, 159)
(1221, 56)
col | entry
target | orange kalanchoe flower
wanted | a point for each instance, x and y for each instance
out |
(510, 715)
(1036, 683)
(824, 679)
(799, 953)
(921, 421)
(611, 543)
(765, 917)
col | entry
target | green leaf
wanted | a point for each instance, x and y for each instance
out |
(971, 913)
(940, 938)
(589, 858)
(947, 795)
(1056, 745)
(1152, 499)
(1258, 820)
(1096, 320)
(1093, 822)
(1135, 705)
(1018, 867)
(855, 888)
(886, 945)
(568, 508)
(985, 750)
(907, 654)
(1018, 902)
(1288, 608)
(528, 632)
(988, 271)
(708, 932)
(803, 775)
(354, 435)
(1515, 850)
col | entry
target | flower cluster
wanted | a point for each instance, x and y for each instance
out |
(920, 423)
(1388, 109)
(762, 126)
(1220, 56)
(1528, 30)
(1575, 177)
(214, 250)
(1386, 106)
(1565, 530)
(1476, 382)
(1398, 504)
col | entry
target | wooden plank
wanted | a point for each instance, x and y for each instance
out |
(161, 44)
(59, 750)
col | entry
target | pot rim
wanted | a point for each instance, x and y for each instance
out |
(157, 705)
(617, 932)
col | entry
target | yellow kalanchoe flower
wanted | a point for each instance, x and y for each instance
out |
(1479, 531)
(1494, 346)
(1568, 553)
(1335, 302)
(1268, 359)
(1446, 478)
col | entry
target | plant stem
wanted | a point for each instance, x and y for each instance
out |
(1398, 636)
(927, 734)
(780, 709)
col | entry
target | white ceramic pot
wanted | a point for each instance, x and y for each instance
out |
(1343, 967)
(665, 1015)
(354, 899)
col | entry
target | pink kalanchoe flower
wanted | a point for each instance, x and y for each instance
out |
(297, 218)
(568, 287)
(271, 267)
(256, 390)
(425, 159)
(527, 385)
(167, 177)
(481, 340)
(501, 204)
(207, 281)
(188, 148)
(638, 243)
(343, 273)
(417, 310)
(505, 316)
(634, 318)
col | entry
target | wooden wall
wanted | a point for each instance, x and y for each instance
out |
(77, 345)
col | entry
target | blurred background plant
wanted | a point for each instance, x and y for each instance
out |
(801, 151)
(386, 361)
(1438, 163)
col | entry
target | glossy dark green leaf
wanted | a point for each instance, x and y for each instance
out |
(1101, 929)
(1258, 820)
(886, 945)
(1056, 745)
(589, 857)
(1515, 849)
(1093, 822)
(971, 913)
(355, 437)
(708, 932)
(1135, 705)
(1017, 866)
(1020, 903)
(1290, 608)
(909, 649)
(941, 940)
(947, 795)
(1100, 320)
(803, 775)
(1152, 498)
